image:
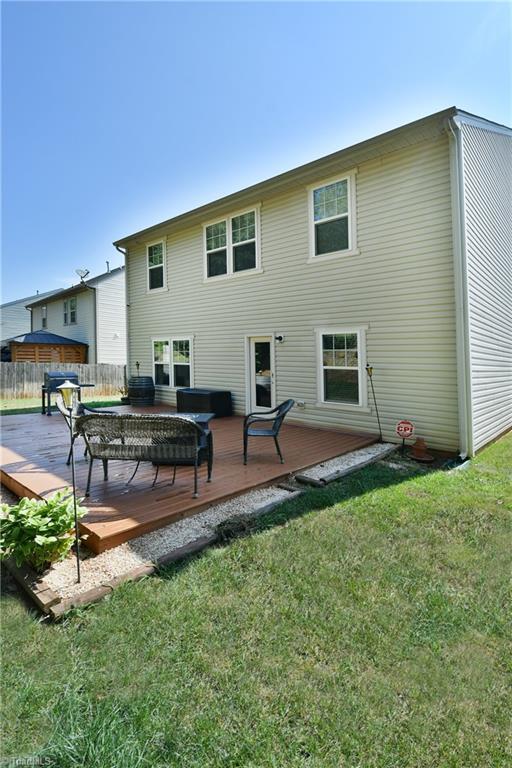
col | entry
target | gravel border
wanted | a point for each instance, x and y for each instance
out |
(349, 462)
(159, 544)
(140, 556)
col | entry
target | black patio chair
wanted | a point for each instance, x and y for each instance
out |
(79, 409)
(266, 416)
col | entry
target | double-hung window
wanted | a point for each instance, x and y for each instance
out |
(44, 316)
(172, 362)
(341, 355)
(161, 362)
(231, 245)
(180, 362)
(70, 311)
(156, 266)
(332, 218)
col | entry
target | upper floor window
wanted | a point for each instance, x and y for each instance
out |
(172, 362)
(156, 265)
(231, 245)
(332, 218)
(44, 317)
(70, 311)
(341, 366)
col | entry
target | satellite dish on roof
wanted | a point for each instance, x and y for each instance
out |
(82, 273)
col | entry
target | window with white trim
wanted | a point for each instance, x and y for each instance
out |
(161, 362)
(44, 316)
(156, 266)
(70, 311)
(231, 245)
(341, 366)
(172, 362)
(180, 362)
(331, 212)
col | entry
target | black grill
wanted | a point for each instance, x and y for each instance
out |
(53, 379)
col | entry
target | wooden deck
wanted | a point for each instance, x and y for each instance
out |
(33, 463)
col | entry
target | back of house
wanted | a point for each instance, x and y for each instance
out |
(290, 287)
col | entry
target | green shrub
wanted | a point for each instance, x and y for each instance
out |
(39, 531)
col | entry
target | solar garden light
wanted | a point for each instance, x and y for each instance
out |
(369, 371)
(69, 392)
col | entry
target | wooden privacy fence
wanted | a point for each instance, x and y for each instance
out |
(25, 379)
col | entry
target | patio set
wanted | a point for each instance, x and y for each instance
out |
(181, 439)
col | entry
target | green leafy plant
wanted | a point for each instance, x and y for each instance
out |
(39, 531)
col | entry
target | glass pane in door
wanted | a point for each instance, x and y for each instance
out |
(263, 374)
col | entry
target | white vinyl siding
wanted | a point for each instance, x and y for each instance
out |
(14, 320)
(400, 286)
(111, 318)
(487, 158)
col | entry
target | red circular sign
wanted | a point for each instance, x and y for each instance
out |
(405, 429)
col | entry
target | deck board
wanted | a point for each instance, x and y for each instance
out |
(34, 451)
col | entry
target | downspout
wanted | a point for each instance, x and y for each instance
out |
(124, 253)
(462, 314)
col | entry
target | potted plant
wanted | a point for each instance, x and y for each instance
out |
(123, 391)
(38, 531)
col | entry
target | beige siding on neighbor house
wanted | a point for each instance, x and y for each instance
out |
(111, 319)
(84, 328)
(488, 228)
(400, 286)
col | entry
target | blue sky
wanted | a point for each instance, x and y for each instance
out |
(117, 115)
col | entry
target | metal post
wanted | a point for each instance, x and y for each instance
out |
(369, 371)
(77, 540)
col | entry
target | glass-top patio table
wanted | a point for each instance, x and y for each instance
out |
(202, 419)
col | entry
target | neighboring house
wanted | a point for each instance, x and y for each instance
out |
(394, 252)
(15, 318)
(92, 312)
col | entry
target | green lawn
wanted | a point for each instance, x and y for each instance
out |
(33, 404)
(366, 624)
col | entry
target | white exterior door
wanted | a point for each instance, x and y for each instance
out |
(260, 373)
